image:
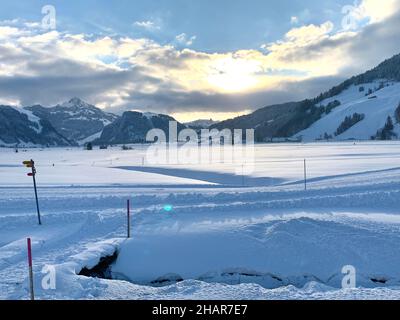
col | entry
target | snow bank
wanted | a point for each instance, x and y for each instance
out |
(272, 254)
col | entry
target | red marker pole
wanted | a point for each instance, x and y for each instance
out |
(305, 174)
(128, 209)
(30, 269)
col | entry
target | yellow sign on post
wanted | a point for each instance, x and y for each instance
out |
(27, 164)
(31, 164)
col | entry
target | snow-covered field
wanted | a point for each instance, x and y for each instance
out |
(226, 235)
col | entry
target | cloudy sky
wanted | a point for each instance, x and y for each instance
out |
(189, 58)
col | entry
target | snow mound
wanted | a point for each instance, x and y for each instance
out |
(272, 254)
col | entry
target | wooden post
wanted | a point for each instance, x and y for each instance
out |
(128, 209)
(30, 269)
(305, 174)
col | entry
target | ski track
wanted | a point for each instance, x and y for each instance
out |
(205, 211)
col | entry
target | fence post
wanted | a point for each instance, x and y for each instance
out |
(30, 269)
(128, 209)
(305, 174)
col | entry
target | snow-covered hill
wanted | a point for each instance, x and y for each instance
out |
(324, 116)
(376, 101)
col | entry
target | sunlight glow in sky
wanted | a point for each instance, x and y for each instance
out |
(214, 59)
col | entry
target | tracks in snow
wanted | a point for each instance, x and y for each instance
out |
(86, 219)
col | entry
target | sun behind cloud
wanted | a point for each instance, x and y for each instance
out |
(234, 75)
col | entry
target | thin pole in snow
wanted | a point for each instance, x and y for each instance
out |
(31, 164)
(30, 269)
(128, 209)
(305, 174)
(242, 174)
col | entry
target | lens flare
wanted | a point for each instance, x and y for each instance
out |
(168, 208)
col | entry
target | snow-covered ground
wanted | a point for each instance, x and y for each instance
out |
(226, 235)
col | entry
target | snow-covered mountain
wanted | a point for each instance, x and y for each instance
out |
(75, 119)
(374, 102)
(133, 126)
(20, 127)
(81, 123)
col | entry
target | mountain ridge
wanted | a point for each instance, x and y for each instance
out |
(74, 119)
(133, 126)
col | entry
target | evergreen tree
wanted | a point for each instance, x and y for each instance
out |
(349, 122)
(386, 133)
(389, 124)
(397, 113)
